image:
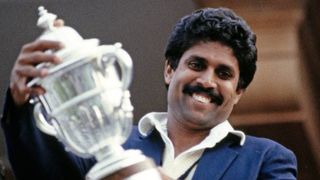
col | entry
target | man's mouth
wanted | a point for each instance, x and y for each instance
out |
(201, 98)
(203, 95)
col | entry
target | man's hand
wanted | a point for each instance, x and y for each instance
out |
(24, 68)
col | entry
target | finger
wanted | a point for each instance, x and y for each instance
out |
(22, 88)
(37, 90)
(58, 23)
(38, 57)
(42, 45)
(20, 91)
(31, 71)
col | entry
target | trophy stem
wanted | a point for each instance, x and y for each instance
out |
(112, 161)
(110, 151)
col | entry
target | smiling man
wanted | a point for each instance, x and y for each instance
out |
(202, 91)
(210, 61)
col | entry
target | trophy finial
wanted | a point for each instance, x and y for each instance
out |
(118, 45)
(46, 19)
(42, 10)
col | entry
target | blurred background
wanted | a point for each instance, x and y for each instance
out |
(281, 103)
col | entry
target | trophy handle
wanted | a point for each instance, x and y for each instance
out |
(41, 121)
(124, 60)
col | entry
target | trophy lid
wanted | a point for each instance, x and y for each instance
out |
(66, 35)
(75, 46)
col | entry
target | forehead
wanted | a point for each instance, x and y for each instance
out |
(214, 53)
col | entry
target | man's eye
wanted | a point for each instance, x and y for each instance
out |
(225, 75)
(197, 66)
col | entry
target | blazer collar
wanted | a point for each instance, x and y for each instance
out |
(215, 161)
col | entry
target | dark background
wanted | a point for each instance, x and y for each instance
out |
(142, 26)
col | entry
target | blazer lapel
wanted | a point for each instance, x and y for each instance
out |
(151, 146)
(215, 161)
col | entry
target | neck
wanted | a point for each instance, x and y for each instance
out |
(184, 137)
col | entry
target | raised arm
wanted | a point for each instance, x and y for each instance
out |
(33, 154)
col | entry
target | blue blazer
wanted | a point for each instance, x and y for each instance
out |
(35, 155)
(258, 158)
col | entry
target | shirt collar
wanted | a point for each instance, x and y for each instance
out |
(158, 120)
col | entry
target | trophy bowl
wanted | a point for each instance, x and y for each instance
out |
(87, 102)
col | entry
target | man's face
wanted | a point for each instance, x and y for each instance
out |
(203, 88)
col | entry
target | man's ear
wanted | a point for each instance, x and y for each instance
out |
(238, 95)
(168, 73)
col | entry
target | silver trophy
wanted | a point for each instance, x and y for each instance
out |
(87, 102)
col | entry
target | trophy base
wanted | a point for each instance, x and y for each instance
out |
(126, 166)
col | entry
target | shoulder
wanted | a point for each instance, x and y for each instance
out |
(259, 149)
(267, 148)
(275, 159)
(265, 145)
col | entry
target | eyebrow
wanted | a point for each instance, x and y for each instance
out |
(198, 58)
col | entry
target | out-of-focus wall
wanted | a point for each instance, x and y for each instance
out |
(282, 102)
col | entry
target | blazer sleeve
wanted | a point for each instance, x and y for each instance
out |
(279, 163)
(33, 154)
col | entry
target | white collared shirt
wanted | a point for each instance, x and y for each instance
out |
(175, 167)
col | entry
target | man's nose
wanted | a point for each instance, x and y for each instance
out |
(207, 79)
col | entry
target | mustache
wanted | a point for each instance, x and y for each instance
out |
(215, 97)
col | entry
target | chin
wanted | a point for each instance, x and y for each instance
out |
(200, 120)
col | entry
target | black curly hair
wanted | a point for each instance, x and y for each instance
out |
(220, 25)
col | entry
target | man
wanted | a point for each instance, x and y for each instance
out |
(210, 61)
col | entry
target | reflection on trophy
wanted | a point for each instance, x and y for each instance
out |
(87, 102)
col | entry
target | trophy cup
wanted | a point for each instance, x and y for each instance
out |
(87, 102)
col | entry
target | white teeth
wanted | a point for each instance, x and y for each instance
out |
(200, 98)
